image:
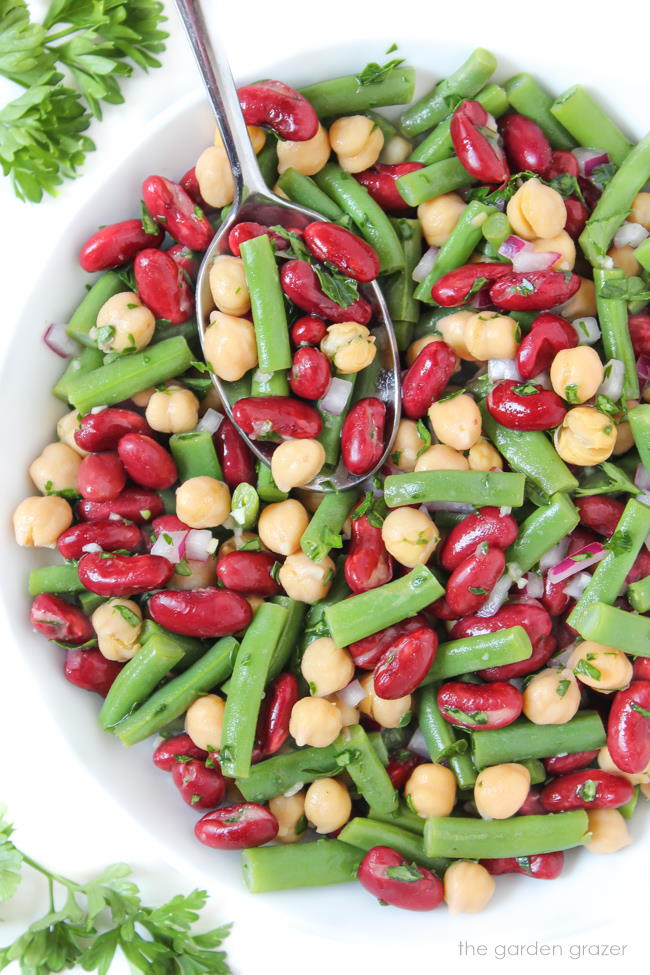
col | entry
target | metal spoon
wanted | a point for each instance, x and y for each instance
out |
(256, 202)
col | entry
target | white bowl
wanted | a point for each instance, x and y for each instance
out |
(604, 888)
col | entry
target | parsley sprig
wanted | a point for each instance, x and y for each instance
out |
(337, 286)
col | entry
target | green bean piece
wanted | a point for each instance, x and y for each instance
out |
(473, 839)
(193, 648)
(189, 331)
(403, 817)
(330, 435)
(380, 747)
(130, 374)
(622, 550)
(88, 359)
(240, 389)
(366, 833)
(470, 653)
(638, 595)
(245, 505)
(532, 454)
(536, 770)
(267, 304)
(366, 380)
(173, 699)
(319, 864)
(247, 689)
(388, 130)
(195, 455)
(372, 223)
(434, 180)
(89, 601)
(351, 95)
(457, 249)
(443, 742)
(269, 383)
(468, 487)
(267, 160)
(362, 763)
(266, 486)
(315, 623)
(465, 82)
(84, 318)
(541, 530)
(399, 287)
(616, 628)
(367, 612)
(589, 125)
(523, 739)
(139, 678)
(639, 418)
(292, 629)
(612, 316)
(303, 190)
(437, 144)
(627, 809)
(496, 229)
(277, 775)
(58, 579)
(323, 533)
(615, 205)
(528, 98)
(642, 254)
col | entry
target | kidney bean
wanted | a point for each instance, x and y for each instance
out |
(362, 436)
(642, 668)
(628, 728)
(182, 218)
(441, 610)
(200, 612)
(427, 378)
(471, 582)
(340, 247)
(200, 787)
(101, 477)
(536, 291)
(260, 415)
(456, 287)
(249, 572)
(235, 457)
(237, 827)
(525, 406)
(480, 706)
(590, 192)
(117, 244)
(526, 146)
(543, 649)
(186, 260)
(422, 891)
(586, 789)
(487, 525)
(561, 764)
(600, 513)
(280, 107)
(174, 750)
(90, 670)
(367, 652)
(168, 523)
(310, 374)
(549, 334)
(641, 567)
(400, 766)
(124, 575)
(162, 286)
(134, 504)
(381, 183)
(554, 598)
(273, 724)
(108, 534)
(532, 806)
(562, 161)
(190, 184)
(530, 615)
(639, 326)
(477, 147)
(308, 330)
(576, 217)
(59, 620)
(247, 230)
(579, 538)
(104, 430)
(405, 664)
(301, 285)
(367, 564)
(146, 462)
(541, 866)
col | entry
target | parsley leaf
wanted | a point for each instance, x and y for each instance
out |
(640, 710)
(374, 73)
(424, 435)
(587, 790)
(585, 669)
(407, 872)
(562, 687)
(619, 543)
(473, 718)
(602, 175)
(630, 289)
(341, 289)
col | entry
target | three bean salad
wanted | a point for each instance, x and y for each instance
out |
(442, 674)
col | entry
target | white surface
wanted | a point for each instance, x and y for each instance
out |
(65, 816)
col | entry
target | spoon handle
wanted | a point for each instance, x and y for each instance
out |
(222, 93)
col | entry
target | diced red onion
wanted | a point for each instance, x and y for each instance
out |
(170, 545)
(57, 339)
(525, 262)
(504, 510)
(98, 409)
(503, 369)
(210, 421)
(336, 398)
(577, 562)
(643, 368)
(554, 555)
(642, 478)
(454, 506)
(114, 516)
(542, 379)
(352, 693)
(589, 159)
(260, 429)
(577, 586)
(534, 586)
(513, 245)
(200, 544)
(630, 234)
(92, 547)
(425, 264)
(482, 298)
(497, 597)
(612, 384)
(418, 745)
(587, 329)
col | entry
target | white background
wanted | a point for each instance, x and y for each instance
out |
(63, 817)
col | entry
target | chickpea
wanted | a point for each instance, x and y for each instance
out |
(431, 790)
(407, 446)
(212, 400)
(625, 258)
(452, 330)
(489, 335)
(173, 410)
(315, 721)
(118, 624)
(142, 398)
(306, 157)
(349, 715)
(357, 141)
(395, 151)
(606, 763)
(456, 421)
(603, 668)
(561, 244)
(326, 667)
(585, 437)
(439, 457)
(583, 302)
(305, 580)
(200, 575)
(296, 462)
(624, 437)
(500, 791)
(281, 526)
(552, 696)
(55, 469)
(203, 502)
(228, 285)
(256, 134)
(124, 324)
(204, 721)
(327, 805)
(66, 428)
(468, 887)
(350, 346)
(388, 714)
(38, 521)
(439, 216)
(484, 457)
(416, 347)
(230, 346)
(236, 542)
(290, 814)
(410, 536)
(254, 602)
(641, 210)
(214, 176)
(577, 373)
(536, 210)
(609, 832)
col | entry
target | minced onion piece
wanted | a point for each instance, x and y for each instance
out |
(425, 264)
(613, 376)
(525, 262)
(58, 341)
(642, 478)
(575, 563)
(497, 597)
(589, 159)
(170, 545)
(99, 409)
(643, 369)
(504, 510)
(513, 245)
(92, 547)
(200, 544)
(577, 586)
(587, 329)
(554, 555)
(542, 379)
(503, 369)
(534, 585)
(352, 693)
(418, 745)
(293, 790)
(630, 234)
(210, 421)
(336, 398)
(513, 570)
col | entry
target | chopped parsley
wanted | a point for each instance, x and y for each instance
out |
(374, 73)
